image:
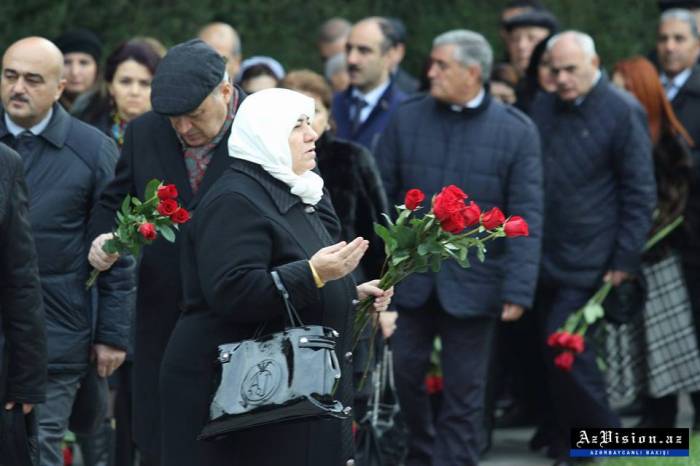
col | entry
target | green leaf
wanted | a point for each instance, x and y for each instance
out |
(423, 249)
(126, 205)
(403, 216)
(435, 263)
(592, 311)
(400, 257)
(151, 189)
(481, 253)
(405, 237)
(390, 243)
(120, 217)
(136, 201)
(388, 219)
(167, 233)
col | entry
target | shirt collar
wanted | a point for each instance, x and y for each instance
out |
(36, 130)
(373, 96)
(473, 103)
(679, 80)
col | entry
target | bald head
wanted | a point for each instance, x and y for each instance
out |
(224, 39)
(332, 36)
(574, 63)
(31, 80)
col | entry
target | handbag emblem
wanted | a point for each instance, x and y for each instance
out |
(261, 382)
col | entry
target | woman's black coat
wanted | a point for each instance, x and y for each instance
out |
(247, 225)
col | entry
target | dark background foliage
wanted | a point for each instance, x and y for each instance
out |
(286, 29)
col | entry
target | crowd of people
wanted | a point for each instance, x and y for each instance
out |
(287, 172)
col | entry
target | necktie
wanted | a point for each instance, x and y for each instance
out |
(358, 104)
(25, 143)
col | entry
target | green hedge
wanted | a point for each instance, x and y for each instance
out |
(286, 29)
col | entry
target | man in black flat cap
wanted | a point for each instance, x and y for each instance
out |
(525, 31)
(182, 141)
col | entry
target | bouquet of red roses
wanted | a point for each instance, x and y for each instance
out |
(140, 222)
(448, 231)
(570, 338)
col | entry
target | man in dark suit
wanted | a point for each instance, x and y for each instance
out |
(459, 135)
(600, 192)
(678, 48)
(362, 111)
(183, 141)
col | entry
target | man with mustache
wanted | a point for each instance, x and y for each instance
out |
(362, 111)
(67, 164)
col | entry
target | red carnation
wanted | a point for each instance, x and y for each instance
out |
(448, 207)
(413, 198)
(564, 361)
(167, 207)
(494, 218)
(180, 216)
(471, 214)
(516, 226)
(148, 231)
(168, 191)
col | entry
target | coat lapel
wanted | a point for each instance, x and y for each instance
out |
(169, 151)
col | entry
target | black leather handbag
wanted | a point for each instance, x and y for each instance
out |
(626, 301)
(279, 377)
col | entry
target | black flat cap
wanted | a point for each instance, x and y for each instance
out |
(185, 77)
(80, 40)
(685, 4)
(536, 18)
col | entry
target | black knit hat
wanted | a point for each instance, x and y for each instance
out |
(685, 4)
(537, 18)
(188, 73)
(80, 40)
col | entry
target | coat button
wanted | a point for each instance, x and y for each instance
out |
(348, 356)
(350, 463)
(309, 209)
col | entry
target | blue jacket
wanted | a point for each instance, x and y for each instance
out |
(65, 174)
(371, 129)
(492, 153)
(599, 184)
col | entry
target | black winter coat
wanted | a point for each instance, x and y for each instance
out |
(152, 150)
(599, 185)
(352, 179)
(686, 105)
(23, 331)
(66, 172)
(228, 293)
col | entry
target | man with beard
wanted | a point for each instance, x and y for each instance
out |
(181, 142)
(363, 110)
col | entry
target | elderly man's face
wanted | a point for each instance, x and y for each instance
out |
(368, 66)
(201, 126)
(573, 70)
(31, 81)
(451, 81)
(676, 47)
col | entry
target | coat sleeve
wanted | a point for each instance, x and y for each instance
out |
(21, 302)
(636, 187)
(234, 261)
(525, 197)
(372, 204)
(116, 287)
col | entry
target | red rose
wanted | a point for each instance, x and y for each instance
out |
(433, 384)
(413, 198)
(576, 343)
(167, 207)
(168, 191)
(516, 226)
(471, 214)
(148, 231)
(448, 207)
(553, 339)
(564, 361)
(494, 218)
(180, 216)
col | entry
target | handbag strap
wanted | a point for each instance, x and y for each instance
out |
(294, 319)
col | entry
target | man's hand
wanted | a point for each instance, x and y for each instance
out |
(511, 312)
(107, 358)
(97, 257)
(26, 407)
(387, 322)
(616, 277)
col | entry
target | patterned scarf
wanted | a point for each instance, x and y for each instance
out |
(197, 158)
(118, 128)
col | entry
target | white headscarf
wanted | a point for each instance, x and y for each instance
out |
(260, 134)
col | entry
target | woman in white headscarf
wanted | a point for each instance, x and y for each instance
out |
(267, 212)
